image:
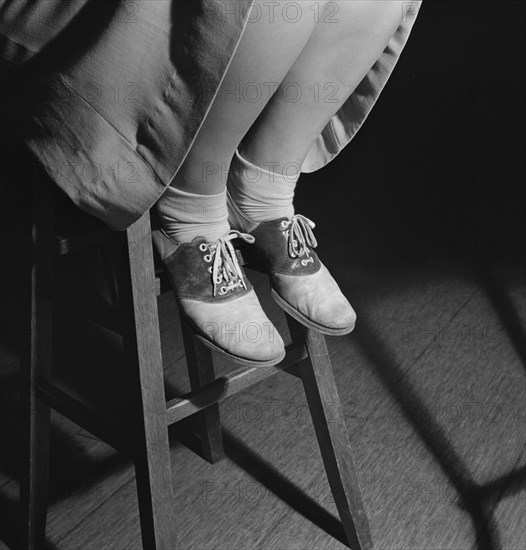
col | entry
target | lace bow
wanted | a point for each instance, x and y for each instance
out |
(226, 271)
(300, 237)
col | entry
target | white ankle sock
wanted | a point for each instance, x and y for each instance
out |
(184, 215)
(260, 194)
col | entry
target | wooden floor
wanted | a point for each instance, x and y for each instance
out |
(433, 387)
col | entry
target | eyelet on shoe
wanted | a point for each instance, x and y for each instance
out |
(210, 269)
(218, 280)
(203, 247)
(223, 290)
(284, 223)
(208, 258)
(303, 263)
(287, 233)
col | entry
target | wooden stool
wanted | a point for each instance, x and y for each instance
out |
(145, 439)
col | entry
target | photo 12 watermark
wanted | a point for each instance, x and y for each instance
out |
(288, 92)
(252, 493)
(273, 11)
(436, 333)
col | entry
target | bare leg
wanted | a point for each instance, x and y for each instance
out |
(334, 61)
(268, 48)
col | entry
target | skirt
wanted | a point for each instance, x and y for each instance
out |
(109, 95)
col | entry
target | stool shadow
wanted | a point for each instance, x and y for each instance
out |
(267, 475)
(503, 305)
(264, 473)
(471, 496)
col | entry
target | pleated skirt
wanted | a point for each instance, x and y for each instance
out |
(109, 95)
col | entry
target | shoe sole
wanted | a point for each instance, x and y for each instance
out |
(293, 312)
(244, 362)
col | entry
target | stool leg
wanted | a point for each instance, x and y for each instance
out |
(35, 366)
(152, 464)
(327, 416)
(201, 372)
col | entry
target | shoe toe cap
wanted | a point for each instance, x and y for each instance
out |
(239, 327)
(319, 298)
(264, 345)
(341, 316)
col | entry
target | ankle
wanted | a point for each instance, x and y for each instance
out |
(184, 216)
(261, 194)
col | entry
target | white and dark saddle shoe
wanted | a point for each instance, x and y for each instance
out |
(217, 299)
(301, 284)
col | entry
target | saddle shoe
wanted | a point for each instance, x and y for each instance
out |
(218, 301)
(301, 284)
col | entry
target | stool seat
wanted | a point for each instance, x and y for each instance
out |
(143, 436)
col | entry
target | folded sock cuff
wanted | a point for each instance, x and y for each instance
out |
(188, 207)
(259, 193)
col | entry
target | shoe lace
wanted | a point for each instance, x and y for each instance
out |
(300, 237)
(227, 274)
